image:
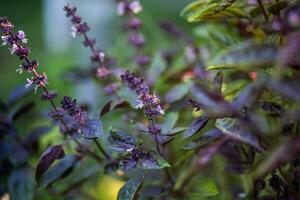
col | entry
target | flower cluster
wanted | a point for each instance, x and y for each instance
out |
(132, 24)
(149, 102)
(81, 28)
(16, 42)
(98, 56)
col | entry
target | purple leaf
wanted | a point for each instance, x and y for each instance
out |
(47, 158)
(93, 129)
(121, 141)
(130, 191)
(152, 160)
(127, 164)
(197, 125)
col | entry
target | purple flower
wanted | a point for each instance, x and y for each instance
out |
(98, 56)
(150, 103)
(135, 7)
(136, 39)
(142, 60)
(21, 36)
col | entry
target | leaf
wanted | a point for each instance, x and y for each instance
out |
(127, 163)
(218, 81)
(121, 141)
(47, 158)
(271, 108)
(152, 160)
(112, 105)
(20, 111)
(128, 95)
(140, 127)
(288, 88)
(64, 166)
(21, 184)
(18, 93)
(204, 139)
(166, 137)
(232, 127)
(212, 102)
(248, 96)
(177, 92)
(285, 152)
(277, 7)
(35, 134)
(157, 66)
(196, 125)
(131, 189)
(93, 129)
(245, 56)
(169, 122)
(207, 187)
(199, 11)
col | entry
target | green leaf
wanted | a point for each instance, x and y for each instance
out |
(233, 128)
(277, 7)
(21, 184)
(244, 56)
(207, 187)
(201, 10)
(60, 169)
(131, 189)
(152, 160)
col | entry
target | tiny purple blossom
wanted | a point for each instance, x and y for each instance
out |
(135, 7)
(5, 39)
(14, 49)
(22, 36)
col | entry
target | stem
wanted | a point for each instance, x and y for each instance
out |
(102, 149)
(261, 5)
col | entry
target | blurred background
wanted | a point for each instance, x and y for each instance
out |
(50, 41)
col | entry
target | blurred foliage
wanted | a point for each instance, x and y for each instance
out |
(229, 83)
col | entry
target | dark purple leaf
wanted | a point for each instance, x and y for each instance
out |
(196, 125)
(177, 92)
(47, 158)
(213, 103)
(121, 141)
(18, 155)
(284, 153)
(236, 169)
(18, 93)
(106, 108)
(112, 105)
(21, 184)
(233, 128)
(59, 170)
(140, 127)
(20, 111)
(218, 81)
(127, 164)
(271, 108)
(204, 139)
(131, 189)
(152, 160)
(93, 129)
(248, 96)
(34, 136)
(287, 88)
(111, 167)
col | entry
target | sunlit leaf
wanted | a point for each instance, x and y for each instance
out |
(244, 57)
